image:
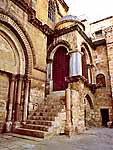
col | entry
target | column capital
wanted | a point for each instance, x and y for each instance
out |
(20, 77)
(90, 66)
(75, 51)
(49, 60)
(27, 78)
(12, 77)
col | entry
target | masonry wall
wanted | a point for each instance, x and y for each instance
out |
(103, 93)
(39, 41)
(83, 109)
(4, 87)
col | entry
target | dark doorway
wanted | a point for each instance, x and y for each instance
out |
(105, 116)
(60, 69)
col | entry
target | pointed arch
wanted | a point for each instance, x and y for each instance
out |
(84, 45)
(90, 101)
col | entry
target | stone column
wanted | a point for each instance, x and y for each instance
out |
(68, 127)
(26, 99)
(50, 75)
(18, 99)
(75, 63)
(10, 106)
(89, 73)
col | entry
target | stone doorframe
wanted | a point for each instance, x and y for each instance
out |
(50, 57)
(17, 80)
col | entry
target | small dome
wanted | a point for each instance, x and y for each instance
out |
(69, 17)
(67, 21)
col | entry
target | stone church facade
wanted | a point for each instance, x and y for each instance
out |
(56, 71)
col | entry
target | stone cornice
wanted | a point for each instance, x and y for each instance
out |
(63, 31)
(32, 16)
(72, 79)
(99, 42)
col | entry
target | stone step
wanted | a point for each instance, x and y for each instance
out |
(43, 121)
(46, 110)
(40, 122)
(48, 118)
(50, 114)
(30, 132)
(54, 103)
(50, 106)
(36, 127)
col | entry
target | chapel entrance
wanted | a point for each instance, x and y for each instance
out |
(60, 69)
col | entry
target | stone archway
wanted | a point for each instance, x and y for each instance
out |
(60, 69)
(88, 111)
(54, 67)
(52, 49)
(16, 66)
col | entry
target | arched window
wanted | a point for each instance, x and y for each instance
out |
(84, 64)
(100, 80)
(51, 10)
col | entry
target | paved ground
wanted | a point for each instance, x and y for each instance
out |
(93, 139)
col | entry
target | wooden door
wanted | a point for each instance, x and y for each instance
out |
(60, 69)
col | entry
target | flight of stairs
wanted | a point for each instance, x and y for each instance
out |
(48, 119)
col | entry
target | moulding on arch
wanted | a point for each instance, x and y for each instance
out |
(55, 44)
(13, 23)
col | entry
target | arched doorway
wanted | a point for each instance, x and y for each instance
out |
(60, 69)
(88, 111)
(15, 70)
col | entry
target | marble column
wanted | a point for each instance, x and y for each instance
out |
(10, 106)
(18, 99)
(26, 99)
(90, 67)
(68, 126)
(50, 75)
(75, 63)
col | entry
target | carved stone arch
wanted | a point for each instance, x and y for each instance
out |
(89, 111)
(56, 49)
(85, 46)
(13, 24)
(12, 57)
(57, 44)
(87, 62)
(89, 101)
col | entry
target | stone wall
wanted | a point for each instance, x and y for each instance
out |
(83, 109)
(22, 52)
(103, 93)
(4, 87)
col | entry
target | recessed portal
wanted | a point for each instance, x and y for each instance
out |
(60, 69)
(105, 116)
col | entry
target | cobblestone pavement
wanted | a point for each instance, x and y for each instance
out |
(93, 139)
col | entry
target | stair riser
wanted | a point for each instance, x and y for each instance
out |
(43, 121)
(36, 128)
(50, 114)
(39, 123)
(43, 118)
(30, 133)
(49, 110)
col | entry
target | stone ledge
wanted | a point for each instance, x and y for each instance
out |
(72, 79)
